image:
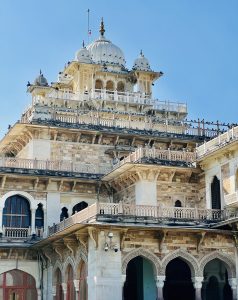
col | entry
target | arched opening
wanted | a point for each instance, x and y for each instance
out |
(16, 212)
(178, 283)
(79, 206)
(140, 281)
(70, 283)
(98, 84)
(16, 284)
(59, 291)
(178, 203)
(83, 290)
(110, 85)
(64, 214)
(120, 86)
(215, 193)
(215, 285)
(39, 216)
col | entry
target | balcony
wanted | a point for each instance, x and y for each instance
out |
(161, 155)
(231, 199)
(218, 142)
(118, 213)
(20, 233)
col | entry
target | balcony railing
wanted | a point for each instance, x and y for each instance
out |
(169, 155)
(218, 142)
(19, 233)
(115, 96)
(52, 165)
(119, 212)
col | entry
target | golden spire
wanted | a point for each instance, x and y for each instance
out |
(102, 30)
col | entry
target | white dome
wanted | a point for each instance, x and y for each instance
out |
(83, 55)
(104, 51)
(141, 63)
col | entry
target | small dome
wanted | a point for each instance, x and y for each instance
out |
(83, 55)
(41, 80)
(141, 63)
(104, 52)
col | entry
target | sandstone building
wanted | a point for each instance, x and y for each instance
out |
(108, 193)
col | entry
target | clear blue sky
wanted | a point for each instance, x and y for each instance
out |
(195, 44)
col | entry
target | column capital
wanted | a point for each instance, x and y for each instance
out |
(197, 282)
(123, 279)
(160, 279)
(54, 290)
(76, 285)
(64, 287)
(232, 282)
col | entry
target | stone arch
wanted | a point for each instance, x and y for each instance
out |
(144, 253)
(57, 265)
(226, 259)
(185, 256)
(69, 261)
(33, 203)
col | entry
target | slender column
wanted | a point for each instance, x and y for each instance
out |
(33, 221)
(160, 284)
(1, 209)
(233, 284)
(64, 288)
(197, 282)
(39, 294)
(76, 287)
(54, 291)
(45, 233)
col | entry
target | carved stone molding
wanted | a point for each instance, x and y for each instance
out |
(144, 253)
(226, 259)
(184, 255)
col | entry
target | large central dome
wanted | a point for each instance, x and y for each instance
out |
(104, 51)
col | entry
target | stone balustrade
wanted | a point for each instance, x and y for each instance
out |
(169, 155)
(119, 212)
(218, 142)
(19, 233)
(53, 165)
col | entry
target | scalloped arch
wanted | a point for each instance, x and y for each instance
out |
(185, 256)
(226, 259)
(144, 253)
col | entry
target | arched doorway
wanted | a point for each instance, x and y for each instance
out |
(140, 280)
(16, 284)
(58, 280)
(178, 283)
(215, 193)
(64, 214)
(70, 295)
(79, 206)
(216, 285)
(83, 290)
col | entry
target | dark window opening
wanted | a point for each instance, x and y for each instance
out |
(215, 193)
(79, 206)
(64, 214)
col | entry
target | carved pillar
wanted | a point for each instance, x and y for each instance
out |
(54, 291)
(197, 282)
(233, 284)
(76, 287)
(160, 284)
(33, 221)
(64, 289)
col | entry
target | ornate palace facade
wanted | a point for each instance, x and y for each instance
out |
(108, 193)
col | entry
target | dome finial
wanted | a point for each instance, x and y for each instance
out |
(102, 30)
(141, 52)
(83, 44)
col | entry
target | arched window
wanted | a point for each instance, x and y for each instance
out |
(83, 290)
(16, 284)
(215, 193)
(178, 203)
(16, 212)
(39, 216)
(70, 283)
(79, 206)
(109, 85)
(98, 84)
(120, 86)
(64, 214)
